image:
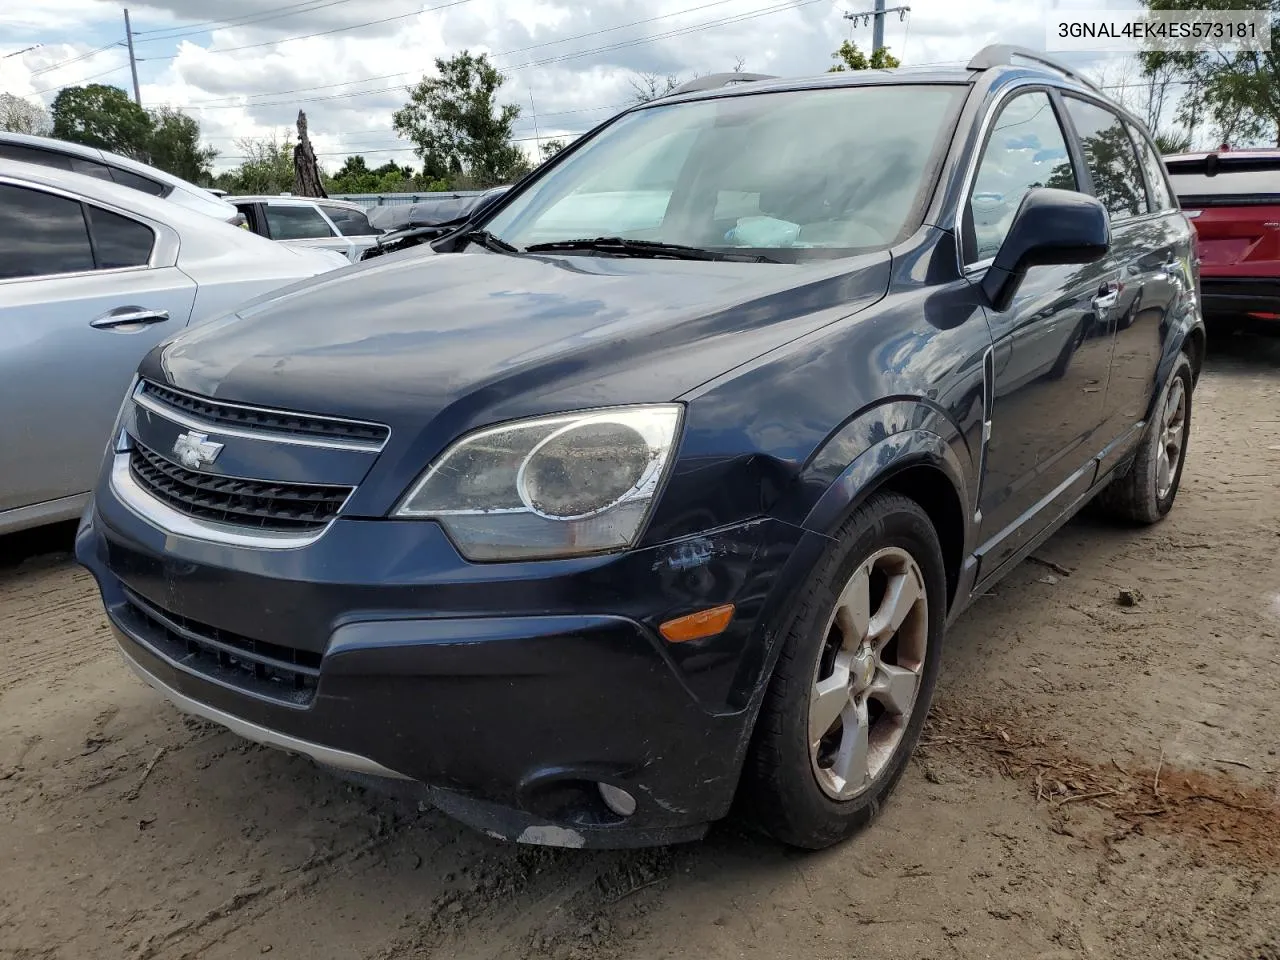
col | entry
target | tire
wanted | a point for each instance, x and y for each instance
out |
(1145, 494)
(786, 791)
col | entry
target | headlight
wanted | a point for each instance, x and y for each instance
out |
(555, 486)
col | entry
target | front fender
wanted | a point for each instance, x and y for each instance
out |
(869, 449)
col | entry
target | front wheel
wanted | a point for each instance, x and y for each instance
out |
(854, 679)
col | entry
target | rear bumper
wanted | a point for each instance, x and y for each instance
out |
(1239, 297)
(508, 693)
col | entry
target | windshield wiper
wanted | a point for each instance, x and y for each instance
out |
(620, 246)
(487, 240)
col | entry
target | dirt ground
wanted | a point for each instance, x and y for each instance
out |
(1099, 780)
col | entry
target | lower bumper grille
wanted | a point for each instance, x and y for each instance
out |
(244, 503)
(267, 669)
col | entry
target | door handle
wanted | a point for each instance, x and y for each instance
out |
(1108, 296)
(126, 316)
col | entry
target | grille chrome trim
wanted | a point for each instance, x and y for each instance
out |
(143, 399)
(159, 514)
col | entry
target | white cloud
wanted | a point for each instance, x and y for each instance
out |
(575, 60)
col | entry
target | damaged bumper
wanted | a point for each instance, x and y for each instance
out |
(535, 702)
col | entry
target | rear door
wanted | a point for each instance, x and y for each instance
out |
(1234, 202)
(303, 225)
(85, 293)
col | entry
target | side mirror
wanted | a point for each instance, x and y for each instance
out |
(1050, 227)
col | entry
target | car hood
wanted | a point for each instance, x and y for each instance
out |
(487, 337)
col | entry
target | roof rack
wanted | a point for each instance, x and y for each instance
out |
(1004, 55)
(714, 81)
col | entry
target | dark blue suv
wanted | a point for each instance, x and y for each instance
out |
(650, 492)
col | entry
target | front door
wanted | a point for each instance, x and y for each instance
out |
(1051, 351)
(77, 315)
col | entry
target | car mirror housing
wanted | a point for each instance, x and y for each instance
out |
(1050, 227)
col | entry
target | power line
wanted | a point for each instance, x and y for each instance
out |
(92, 76)
(505, 53)
(325, 33)
(70, 60)
(205, 26)
(560, 58)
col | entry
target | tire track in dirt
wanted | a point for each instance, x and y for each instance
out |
(52, 624)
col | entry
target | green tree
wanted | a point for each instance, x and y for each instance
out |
(551, 147)
(1169, 142)
(175, 146)
(19, 115)
(458, 128)
(849, 57)
(103, 116)
(1237, 94)
(266, 167)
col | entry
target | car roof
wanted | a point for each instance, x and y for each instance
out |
(992, 67)
(95, 188)
(104, 156)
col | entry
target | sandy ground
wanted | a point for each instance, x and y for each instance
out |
(1098, 780)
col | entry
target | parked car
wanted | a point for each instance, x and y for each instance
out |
(92, 276)
(1233, 199)
(301, 221)
(594, 535)
(409, 225)
(92, 162)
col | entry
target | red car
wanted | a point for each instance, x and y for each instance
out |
(1233, 198)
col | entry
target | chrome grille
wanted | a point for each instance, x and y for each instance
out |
(245, 503)
(216, 414)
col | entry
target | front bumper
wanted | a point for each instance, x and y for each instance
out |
(509, 691)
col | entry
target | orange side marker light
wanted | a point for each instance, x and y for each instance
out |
(696, 626)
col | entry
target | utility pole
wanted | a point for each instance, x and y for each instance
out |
(875, 17)
(133, 63)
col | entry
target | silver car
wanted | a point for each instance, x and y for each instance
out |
(92, 276)
(304, 222)
(62, 155)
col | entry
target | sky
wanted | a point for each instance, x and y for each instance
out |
(244, 68)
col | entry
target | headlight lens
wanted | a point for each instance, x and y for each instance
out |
(550, 487)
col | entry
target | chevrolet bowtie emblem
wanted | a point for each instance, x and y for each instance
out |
(195, 450)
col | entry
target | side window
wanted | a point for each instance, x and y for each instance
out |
(1159, 195)
(1025, 149)
(1109, 153)
(90, 168)
(145, 184)
(41, 234)
(350, 223)
(119, 241)
(296, 223)
(44, 158)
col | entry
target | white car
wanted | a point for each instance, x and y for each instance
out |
(62, 155)
(302, 221)
(92, 276)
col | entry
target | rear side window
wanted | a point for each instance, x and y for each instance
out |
(1025, 149)
(119, 241)
(41, 234)
(350, 223)
(1159, 196)
(14, 151)
(1110, 156)
(296, 223)
(146, 185)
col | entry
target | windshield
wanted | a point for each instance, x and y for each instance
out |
(802, 173)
